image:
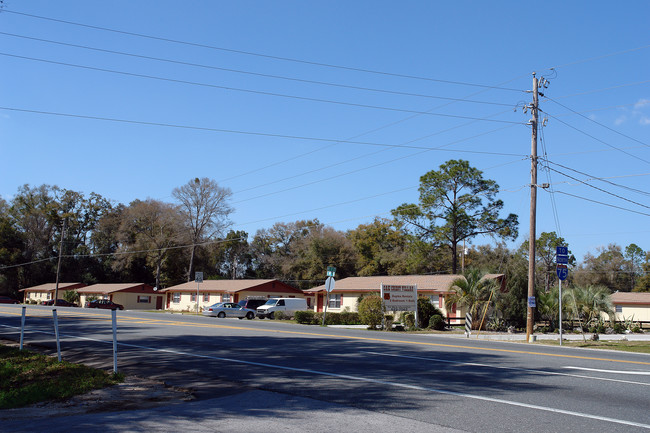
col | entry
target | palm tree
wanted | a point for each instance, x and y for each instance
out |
(472, 292)
(588, 303)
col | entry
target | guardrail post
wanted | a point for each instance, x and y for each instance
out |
(56, 333)
(22, 327)
(114, 320)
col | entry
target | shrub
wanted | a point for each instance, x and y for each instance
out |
(304, 317)
(388, 321)
(437, 323)
(408, 320)
(280, 315)
(371, 311)
(426, 310)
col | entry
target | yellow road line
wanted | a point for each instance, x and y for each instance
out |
(136, 320)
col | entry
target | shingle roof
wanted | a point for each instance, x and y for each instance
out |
(230, 286)
(49, 287)
(631, 298)
(108, 288)
(430, 283)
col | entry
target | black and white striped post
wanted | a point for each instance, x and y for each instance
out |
(468, 324)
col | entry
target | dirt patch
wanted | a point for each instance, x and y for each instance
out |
(134, 393)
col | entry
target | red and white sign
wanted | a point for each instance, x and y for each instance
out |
(400, 298)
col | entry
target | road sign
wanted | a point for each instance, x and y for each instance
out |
(198, 277)
(562, 251)
(331, 270)
(562, 271)
(329, 284)
(562, 259)
(531, 302)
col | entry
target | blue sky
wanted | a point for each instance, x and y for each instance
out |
(413, 54)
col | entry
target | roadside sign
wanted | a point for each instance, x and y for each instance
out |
(329, 284)
(531, 302)
(400, 298)
(562, 259)
(562, 271)
(198, 277)
(562, 251)
(331, 270)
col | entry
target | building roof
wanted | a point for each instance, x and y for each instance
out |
(639, 298)
(109, 288)
(50, 287)
(230, 286)
(427, 283)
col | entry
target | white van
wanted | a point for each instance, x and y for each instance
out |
(287, 305)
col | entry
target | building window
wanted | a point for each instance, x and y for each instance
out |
(193, 297)
(335, 301)
(49, 296)
(225, 297)
(206, 297)
(619, 308)
(144, 299)
(177, 298)
(435, 300)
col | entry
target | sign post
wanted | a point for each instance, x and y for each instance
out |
(562, 270)
(329, 286)
(198, 277)
(400, 298)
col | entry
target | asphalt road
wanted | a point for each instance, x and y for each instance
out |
(417, 382)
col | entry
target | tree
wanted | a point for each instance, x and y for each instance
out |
(149, 229)
(545, 251)
(587, 303)
(634, 256)
(234, 255)
(371, 310)
(456, 204)
(472, 292)
(607, 268)
(204, 206)
(11, 248)
(381, 248)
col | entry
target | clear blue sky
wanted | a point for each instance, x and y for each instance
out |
(600, 51)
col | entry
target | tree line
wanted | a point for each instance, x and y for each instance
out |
(164, 243)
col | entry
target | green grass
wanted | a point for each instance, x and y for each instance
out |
(27, 377)
(625, 346)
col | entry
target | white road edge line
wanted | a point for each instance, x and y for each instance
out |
(640, 373)
(529, 370)
(368, 380)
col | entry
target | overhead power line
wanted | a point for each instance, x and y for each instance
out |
(257, 92)
(258, 74)
(250, 53)
(232, 131)
(587, 92)
(601, 203)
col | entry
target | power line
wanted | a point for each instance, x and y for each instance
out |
(250, 53)
(603, 90)
(344, 86)
(600, 202)
(604, 56)
(597, 123)
(603, 179)
(230, 131)
(257, 92)
(597, 139)
(600, 189)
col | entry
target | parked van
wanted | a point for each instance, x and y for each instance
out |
(253, 303)
(286, 305)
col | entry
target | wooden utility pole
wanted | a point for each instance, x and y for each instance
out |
(58, 266)
(530, 312)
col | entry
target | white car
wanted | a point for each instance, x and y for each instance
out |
(228, 309)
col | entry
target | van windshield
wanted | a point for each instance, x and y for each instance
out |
(271, 302)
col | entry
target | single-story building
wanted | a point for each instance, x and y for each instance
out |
(133, 296)
(183, 296)
(45, 292)
(347, 291)
(632, 306)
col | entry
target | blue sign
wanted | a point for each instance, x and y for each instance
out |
(562, 251)
(562, 272)
(562, 259)
(531, 302)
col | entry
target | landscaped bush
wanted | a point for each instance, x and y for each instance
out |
(426, 310)
(304, 317)
(280, 315)
(371, 311)
(408, 319)
(437, 323)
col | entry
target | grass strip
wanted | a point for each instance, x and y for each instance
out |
(624, 346)
(27, 377)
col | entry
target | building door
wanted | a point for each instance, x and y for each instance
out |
(159, 302)
(319, 302)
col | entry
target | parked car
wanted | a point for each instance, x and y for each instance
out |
(60, 303)
(228, 309)
(252, 304)
(8, 300)
(286, 305)
(105, 304)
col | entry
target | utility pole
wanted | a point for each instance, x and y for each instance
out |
(58, 266)
(530, 312)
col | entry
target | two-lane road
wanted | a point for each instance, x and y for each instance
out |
(464, 384)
